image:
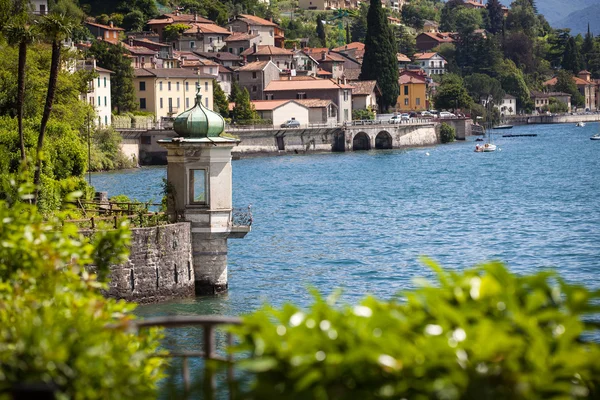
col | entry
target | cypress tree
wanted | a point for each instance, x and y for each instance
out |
(244, 110)
(495, 16)
(380, 62)
(221, 105)
(321, 31)
(587, 48)
(572, 57)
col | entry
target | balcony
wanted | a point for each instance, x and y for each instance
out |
(241, 222)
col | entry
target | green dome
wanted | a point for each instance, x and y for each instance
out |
(198, 122)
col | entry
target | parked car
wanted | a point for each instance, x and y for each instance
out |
(291, 123)
(446, 114)
(396, 119)
(414, 115)
(426, 114)
(405, 117)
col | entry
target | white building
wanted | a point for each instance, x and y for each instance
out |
(39, 7)
(98, 94)
(431, 63)
(508, 105)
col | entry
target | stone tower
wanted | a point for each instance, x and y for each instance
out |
(200, 191)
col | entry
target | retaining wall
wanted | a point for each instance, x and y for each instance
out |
(159, 267)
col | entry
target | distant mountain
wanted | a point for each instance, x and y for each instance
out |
(578, 20)
(573, 14)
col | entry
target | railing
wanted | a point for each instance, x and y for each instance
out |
(113, 213)
(209, 352)
(409, 121)
(242, 217)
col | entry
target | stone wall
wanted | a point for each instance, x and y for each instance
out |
(551, 119)
(159, 267)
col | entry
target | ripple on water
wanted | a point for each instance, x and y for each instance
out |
(360, 220)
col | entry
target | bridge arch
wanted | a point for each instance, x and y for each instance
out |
(361, 141)
(383, 140)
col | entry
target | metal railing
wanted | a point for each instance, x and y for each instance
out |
(242, 216)
(138, 214)
(208, 352)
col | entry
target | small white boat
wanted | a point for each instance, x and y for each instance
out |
(504, 126)
(485, 148)
(595, 137)
(580, 124)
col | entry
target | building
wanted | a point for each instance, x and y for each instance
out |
(330, 62)
(255, 77)
(365, 95)
(39, 7)
(322, 89)
(403, 61)
(413, 91)
(141, 57)
(430, 26)
(269, 32)
(431, 63)
(224, 58)
(108, 33)
(585, 85)
(168, 91)
(304, 64)
(225, 79)
(320, 111)
(282, 58)
(202, 37)
(508, 105)
(394, 21)
(280, 111)
(327, 4)
(98, 93)
(542, 100)
(476, 4)
(426, 41)
(162, 50)
(237, 42)
(355, 50)
(158, 24)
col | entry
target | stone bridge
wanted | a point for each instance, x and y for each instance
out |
(337, 139)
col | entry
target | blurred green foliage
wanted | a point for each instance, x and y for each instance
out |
(54, 319)
(484, 333)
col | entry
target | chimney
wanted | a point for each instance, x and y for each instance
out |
(111, 24)
(195, 17)
(323, 56)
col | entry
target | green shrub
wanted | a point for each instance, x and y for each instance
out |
(447, 133)
(363, 114)
(479, 334)
(54, 319)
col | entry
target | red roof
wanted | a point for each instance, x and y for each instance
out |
(254, 20)
(267, 50)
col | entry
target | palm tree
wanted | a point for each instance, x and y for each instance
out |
(56, 28)
(21, 35)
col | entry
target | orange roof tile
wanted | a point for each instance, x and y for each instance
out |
(240, 36)
(254, 66)
(424, 56)
(351, 46)
(267, 50)
(314, 103)
(254, 20)
(317, 84)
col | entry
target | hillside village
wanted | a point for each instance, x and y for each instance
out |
(180, 51)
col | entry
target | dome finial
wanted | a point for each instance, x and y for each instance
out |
(198, 97)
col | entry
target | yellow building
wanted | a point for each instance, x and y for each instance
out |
(413, 92)
(167, 92)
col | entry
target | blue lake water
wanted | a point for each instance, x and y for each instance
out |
(359, 221)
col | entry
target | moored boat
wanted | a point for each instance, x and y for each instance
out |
(595, 137)
(580, 124)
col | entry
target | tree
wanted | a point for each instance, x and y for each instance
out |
(495, 19)
(468, 20)
(448, 17)
(56, 28)
(22, 35)
(358, 30)
(122, 91)
(235, 91)
(447, 133)
(480, 86)
(244, 110)
(587, 47)
(220, 100)
(380, 62)
(321, 31)
(174, 31)
(513, 82)
(134, 21)
(572, 60)
(406, 42)
(451, 95)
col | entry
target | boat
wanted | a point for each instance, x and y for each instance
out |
(580, 124)
(485, 148)
(504, 126)
(595, 137)
(479, 139)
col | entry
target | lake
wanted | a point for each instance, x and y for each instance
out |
(359, 221)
